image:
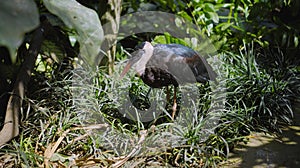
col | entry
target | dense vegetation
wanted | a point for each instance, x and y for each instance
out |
(70, 112)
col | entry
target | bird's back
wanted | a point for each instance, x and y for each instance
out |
(179, 49)
(182, 62)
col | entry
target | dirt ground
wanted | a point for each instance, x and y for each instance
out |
(266, 151)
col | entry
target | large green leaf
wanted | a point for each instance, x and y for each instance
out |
(17, 17)
(86, 23)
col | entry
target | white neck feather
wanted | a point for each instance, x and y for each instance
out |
(141, 64)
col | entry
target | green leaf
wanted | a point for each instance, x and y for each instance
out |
(296, 41)
(214, 16)
(224, 26)
(185, 16)
(86, 23)
(17, 18)
(208, 7)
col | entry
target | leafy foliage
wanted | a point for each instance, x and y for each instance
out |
(265, 98)
(17, 18)
(86, 24)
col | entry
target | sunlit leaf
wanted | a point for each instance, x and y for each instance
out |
(86, 23)
(296, 41)
(214, 16)
(224, 26)
(208, 7)
(17, 18)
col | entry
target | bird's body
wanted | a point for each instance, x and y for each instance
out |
(169, 64)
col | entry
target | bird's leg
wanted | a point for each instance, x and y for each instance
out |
(168, 94)
(174, 103)
(148, 92)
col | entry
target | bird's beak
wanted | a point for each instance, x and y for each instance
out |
(136, 57)
(126, 69)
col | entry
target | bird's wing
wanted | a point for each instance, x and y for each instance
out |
(182, 62)
(180, 50)
(167, 60)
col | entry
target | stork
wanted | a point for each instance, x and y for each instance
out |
(169, 64)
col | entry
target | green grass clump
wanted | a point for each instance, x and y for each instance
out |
(76, 119)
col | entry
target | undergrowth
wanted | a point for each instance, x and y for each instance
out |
(76, 119)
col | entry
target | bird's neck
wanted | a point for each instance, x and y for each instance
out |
(141, 64)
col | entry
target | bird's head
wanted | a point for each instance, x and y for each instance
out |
(140, 57)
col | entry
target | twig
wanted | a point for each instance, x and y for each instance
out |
(54, 146)
(143, 134)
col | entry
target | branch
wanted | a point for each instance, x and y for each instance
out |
(113, 15)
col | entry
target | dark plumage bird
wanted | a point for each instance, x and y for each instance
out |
(169, 64)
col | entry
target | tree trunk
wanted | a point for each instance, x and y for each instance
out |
(112, 15)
